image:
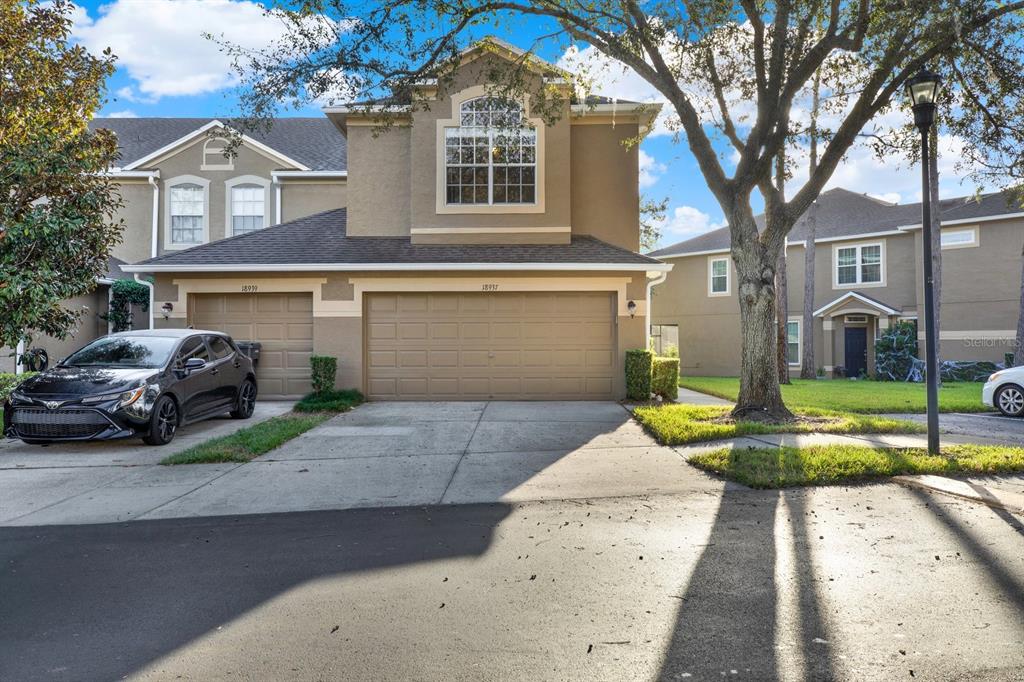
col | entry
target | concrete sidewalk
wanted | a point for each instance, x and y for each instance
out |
(379, 455)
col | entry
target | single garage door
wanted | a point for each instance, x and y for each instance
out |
(283, 323)
(530, 346)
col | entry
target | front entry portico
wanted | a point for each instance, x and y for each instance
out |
(850, 325)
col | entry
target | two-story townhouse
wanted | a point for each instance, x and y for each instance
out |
(180, 189)
(483, 252)
(867, 275)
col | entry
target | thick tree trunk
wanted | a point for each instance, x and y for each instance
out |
(755, 262)
(782, 318)
(933, 172)
(807, 364)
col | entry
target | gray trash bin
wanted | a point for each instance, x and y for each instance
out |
(250, 349)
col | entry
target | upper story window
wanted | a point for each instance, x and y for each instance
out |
(858, 264)
(718, 276)
(491, 157)
(247, 204)
(959, 238)
(214, 157)
(187, 210)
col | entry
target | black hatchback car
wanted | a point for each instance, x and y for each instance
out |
(138, 383)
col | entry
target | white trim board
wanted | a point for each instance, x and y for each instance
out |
(194, 135)
(401, 267)
(863, 299)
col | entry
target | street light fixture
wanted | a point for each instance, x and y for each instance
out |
(923, 91)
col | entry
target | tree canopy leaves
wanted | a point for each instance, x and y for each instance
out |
(57, 210)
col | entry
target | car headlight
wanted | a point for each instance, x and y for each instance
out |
(16, 397)
(124, 399)
(995, 375)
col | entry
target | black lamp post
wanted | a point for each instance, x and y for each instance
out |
(923, 90)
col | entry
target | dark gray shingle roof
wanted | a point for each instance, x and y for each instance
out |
(313, 142)
(842, 213)
(321, 239)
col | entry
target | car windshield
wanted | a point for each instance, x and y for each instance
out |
(144, 352)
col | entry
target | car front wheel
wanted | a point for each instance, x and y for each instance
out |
(1010, 400)
(163, 423)
(246, 400)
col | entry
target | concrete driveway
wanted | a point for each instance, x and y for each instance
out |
(380, 455)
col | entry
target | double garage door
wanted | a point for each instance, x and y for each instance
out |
(283, 323)
(437, 346)
(452, 346)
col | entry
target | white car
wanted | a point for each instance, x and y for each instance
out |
(1004, 391)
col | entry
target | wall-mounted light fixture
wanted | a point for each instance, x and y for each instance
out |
(631, 308)
(167, 309)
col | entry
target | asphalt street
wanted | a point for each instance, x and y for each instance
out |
(859, 583)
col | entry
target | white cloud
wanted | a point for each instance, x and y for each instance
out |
(160, 43)
(651, 170)
(685, 222)
(124, 113)
(611, 78)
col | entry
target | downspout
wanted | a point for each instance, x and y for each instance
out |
(651, 283)
(277, 198)
(18, 352)
(151, 302)
(156, 217)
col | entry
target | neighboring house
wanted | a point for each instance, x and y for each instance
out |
(475, 258)
(868, 275)
(180, 190)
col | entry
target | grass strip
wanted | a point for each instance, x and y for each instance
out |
(250, 442)
(837, 464)
(861, 396)
(330, 401)
(681, 424)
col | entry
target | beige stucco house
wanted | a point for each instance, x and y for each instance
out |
(868, 256)
(180, 190)
(470, 250)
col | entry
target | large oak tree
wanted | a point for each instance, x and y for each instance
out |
(733, 73)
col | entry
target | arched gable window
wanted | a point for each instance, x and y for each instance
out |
(491, 157)
(213, 155)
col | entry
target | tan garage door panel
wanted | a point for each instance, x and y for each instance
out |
(533, 345)
(283, 323)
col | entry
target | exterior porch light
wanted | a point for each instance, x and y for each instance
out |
(631, 308)
(166, 309)
(923, 91)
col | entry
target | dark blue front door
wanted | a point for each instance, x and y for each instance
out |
(856, 351)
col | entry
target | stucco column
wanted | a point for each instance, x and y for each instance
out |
(826, 327)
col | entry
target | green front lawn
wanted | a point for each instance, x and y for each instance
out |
(844, 395)
(832, 464)
(680, 424)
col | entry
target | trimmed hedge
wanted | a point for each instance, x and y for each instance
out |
(638, 374)
(665, 377)
(325, 369)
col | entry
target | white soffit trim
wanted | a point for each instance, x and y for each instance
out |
(411, 267)
(487, 230)
(285, 175)
(842, 299)
(181, 141)
(967, 221)
(368, 109)
(708, 252)
(118, 173)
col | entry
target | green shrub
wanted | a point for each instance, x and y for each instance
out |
(325, 369)
(665, 377)
(330, 401)
(638, 374)
(896, 354)
(671, 351)
(8, 382)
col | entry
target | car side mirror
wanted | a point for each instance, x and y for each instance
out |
(192, 364)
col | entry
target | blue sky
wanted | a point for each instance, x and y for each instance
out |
(167, 68)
